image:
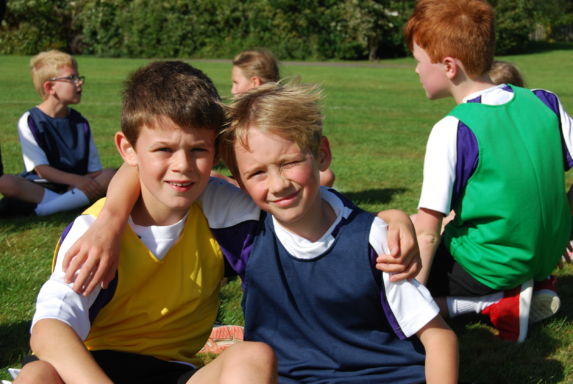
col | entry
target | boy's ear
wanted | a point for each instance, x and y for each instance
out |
(125, 149)
(324, 154)
(451, 66)
(47, 87)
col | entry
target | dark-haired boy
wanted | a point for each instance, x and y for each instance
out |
(157, 313)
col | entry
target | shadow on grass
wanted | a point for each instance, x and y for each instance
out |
(14, 346)
(374, 196)
(18, 223)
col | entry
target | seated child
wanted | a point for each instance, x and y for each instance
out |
(310, 287)
(307, 261)
(252, 68)
(504, 72)
(57, 145)
(498, 160)
(157, 313)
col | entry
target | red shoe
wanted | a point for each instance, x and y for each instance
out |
(545, 301)
(222, 337)
(510, 315)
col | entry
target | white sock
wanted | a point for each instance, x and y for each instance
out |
(49, 195)
(72, 199)
(472, 304)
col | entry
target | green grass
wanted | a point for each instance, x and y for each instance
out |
(377, 120)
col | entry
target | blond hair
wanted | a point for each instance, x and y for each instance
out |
(503, 72)
(259, 63)
(291, 111)
(45, 66)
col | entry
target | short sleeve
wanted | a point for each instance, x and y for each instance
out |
(440, 166)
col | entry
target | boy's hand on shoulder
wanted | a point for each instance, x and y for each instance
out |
(93, 259)
(403, 262)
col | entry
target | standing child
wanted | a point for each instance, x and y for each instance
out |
(498, 160)
(157, 313)
(57, 145)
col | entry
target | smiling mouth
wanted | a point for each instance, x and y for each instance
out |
(287, 200)
(180, 185)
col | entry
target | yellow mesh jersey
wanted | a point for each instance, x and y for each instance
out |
(162, 308)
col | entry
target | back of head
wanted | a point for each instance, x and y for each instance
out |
(259, 63)
(462, 29)
(45, 66)
(170, 89)
(291, 111)
(503, 72)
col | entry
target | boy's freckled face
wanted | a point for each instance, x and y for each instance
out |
(432, 75)
(279, 177)
(174, 167)
(66, 91)
(240, 82)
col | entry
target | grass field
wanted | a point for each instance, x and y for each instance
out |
(377, 120)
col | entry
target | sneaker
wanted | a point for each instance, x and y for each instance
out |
(510, 315)
(545, 301)
(222, 337)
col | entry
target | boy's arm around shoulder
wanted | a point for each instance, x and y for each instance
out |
(96, 254)
(403, 262)
(441, 345)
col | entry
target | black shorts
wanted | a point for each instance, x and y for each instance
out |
(132, 368)
(448, 278)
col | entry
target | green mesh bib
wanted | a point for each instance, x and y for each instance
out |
(512, 222)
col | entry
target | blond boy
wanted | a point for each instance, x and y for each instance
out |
(310, 287)
(63, 170)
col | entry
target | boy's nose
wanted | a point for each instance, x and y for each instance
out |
(182, 161)
(278, 182)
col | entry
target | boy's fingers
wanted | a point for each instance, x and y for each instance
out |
(73, 266)
(84, 276)
(95, 278)
(390, 268)
(393, 238)
(410, 273)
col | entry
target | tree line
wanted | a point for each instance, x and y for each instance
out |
(293, 29)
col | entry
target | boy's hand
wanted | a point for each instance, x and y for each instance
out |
(403, 262)
(94, 257)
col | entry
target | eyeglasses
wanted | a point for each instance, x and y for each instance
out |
(70, 79)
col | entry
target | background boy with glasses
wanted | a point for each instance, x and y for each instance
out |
(62, 167)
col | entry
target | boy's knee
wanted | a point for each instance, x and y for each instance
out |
(256, 352)
(9, 185)
(38, 372)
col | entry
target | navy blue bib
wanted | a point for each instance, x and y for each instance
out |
(323, 316)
